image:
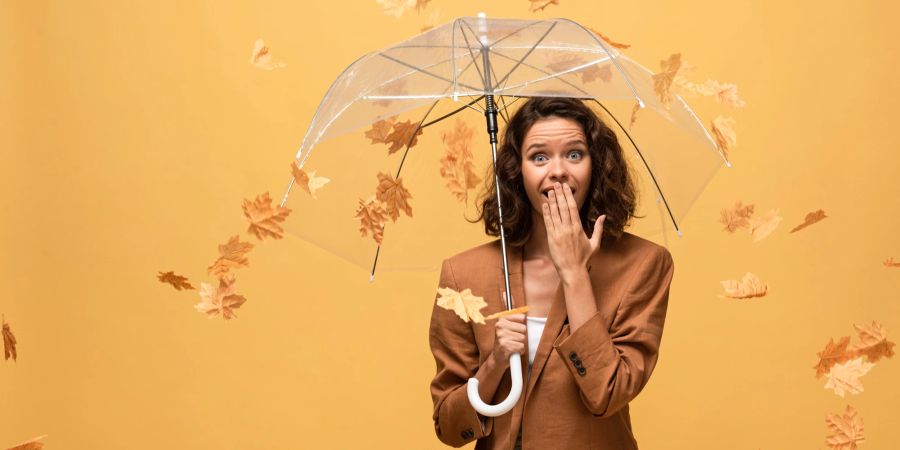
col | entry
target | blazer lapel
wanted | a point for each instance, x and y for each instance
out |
(555, 321)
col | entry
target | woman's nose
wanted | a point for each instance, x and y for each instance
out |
(558, 171)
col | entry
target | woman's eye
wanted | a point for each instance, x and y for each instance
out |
(576, 154)
(539, 158)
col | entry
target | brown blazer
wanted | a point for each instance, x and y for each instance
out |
(561, 407)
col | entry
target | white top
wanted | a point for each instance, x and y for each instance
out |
(535, 327)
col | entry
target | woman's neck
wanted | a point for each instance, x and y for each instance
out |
(536, 246)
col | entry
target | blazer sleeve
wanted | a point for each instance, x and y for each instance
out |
(456, 356)
(611, 366)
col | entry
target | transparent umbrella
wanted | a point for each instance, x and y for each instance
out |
(384, 122)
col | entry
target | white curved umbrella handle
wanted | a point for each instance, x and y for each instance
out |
(515, 367)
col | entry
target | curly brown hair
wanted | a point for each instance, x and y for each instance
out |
(611, 189)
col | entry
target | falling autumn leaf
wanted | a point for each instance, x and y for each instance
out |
(393, 195)
(464, 304)
(736, 217)
(232, 255)
(662, 81)
(846, 430)
(261, 58)
(723, 131)
(177, 281)
(372, 216)
(457, 165)
(404, 134)
(390, 89)
(380, 130)
(220, 301)
(539, 5)
(396, 8)
(509, 312)
(844, 377)
(724, 93)
(873, 342)
(610, 41)
(748, 287)
(264, 218)
(634, 111)
(811, 218)
(308, 181)
(891, 263)
(32, 444)
(9, 342)
(834, 353)
(588, 74)
(762, 227)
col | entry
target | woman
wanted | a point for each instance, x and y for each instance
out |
(597, 295)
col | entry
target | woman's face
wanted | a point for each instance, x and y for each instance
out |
(555, 150)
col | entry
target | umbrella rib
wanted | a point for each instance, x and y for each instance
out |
(527, 54)
(533, 23)
(417, 69)
(472, 55)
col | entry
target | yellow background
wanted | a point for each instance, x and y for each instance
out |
(131, 131)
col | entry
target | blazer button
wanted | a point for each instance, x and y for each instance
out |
(467, 434)
(577, 363)
(573, 356)
(581, 371)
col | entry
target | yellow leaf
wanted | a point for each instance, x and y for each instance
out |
(834, 353)
(662, 81)
(393, 195)
(177, 281)
(748, 287)
(844, 377)
(308, 181)
(372, 216)
(811, 218)
(380, 130)
(9, 341)
(610, 41)
(404, 134)
(736, 217)
(762, 227)
(222, 301)
(723, 131)
(264, 219)
(588, 74)
(232, 254)
(464, 304)
(634, 111)
(32, 444)
(457, 166)
(509, 312)
(873, 342)
(846, 430)
(261, 58)
(891, 263)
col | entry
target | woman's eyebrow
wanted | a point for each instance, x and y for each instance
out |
(542, 145)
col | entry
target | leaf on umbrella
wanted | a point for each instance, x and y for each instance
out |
(634, 111)
(736, 217)
(380, 130)
(261, 58)
(891, 263)
(723, 131)
(834, 353)
(264, 218)
(32, 444)
(846, 430)
(393, 195)
(403, 134)
(177, 281)
(873, 342)
(748, 287)
(725, 93)
(232, 254)
(9, 342)
(588, 74)
(308, 181)
(762, 227)
(811, 218)
(464, 304)
(508, 312)
(610, 41)
(393, 88)
(457, 166)
(844, 377)
(539, 5)
(222, 300)
(662, 81)
(372, 216)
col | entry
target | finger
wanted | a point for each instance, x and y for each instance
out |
(573, 206)
(562, 204)
(598, 231)
(548, 221)
(554, 210)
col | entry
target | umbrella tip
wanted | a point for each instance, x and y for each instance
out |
(482, 15)
(371, 277)
(678, 232)
(728, 164)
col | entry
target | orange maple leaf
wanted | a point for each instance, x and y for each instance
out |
(723, 131)
(588, 74)
(457, 166)
(232, 254)
(372, 216)
(380, 130)
(736, 217)
(609, 41)
(846, 430)
(177, 281)
(404, 134)
(724, 93)
(834, 353)
(308, 181)
(634, 111)
(464, 304)
(762, 227)
(748, 287)
(508, 312)
(891, 263)
(393, 195)
(810, 219)
(220, 301)
(264, 218)
(261, 58)
(844, 377)
(539, 5)
(390, 89)
(32, 444)
(873, 342)
(9, 341)
(662, 81)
